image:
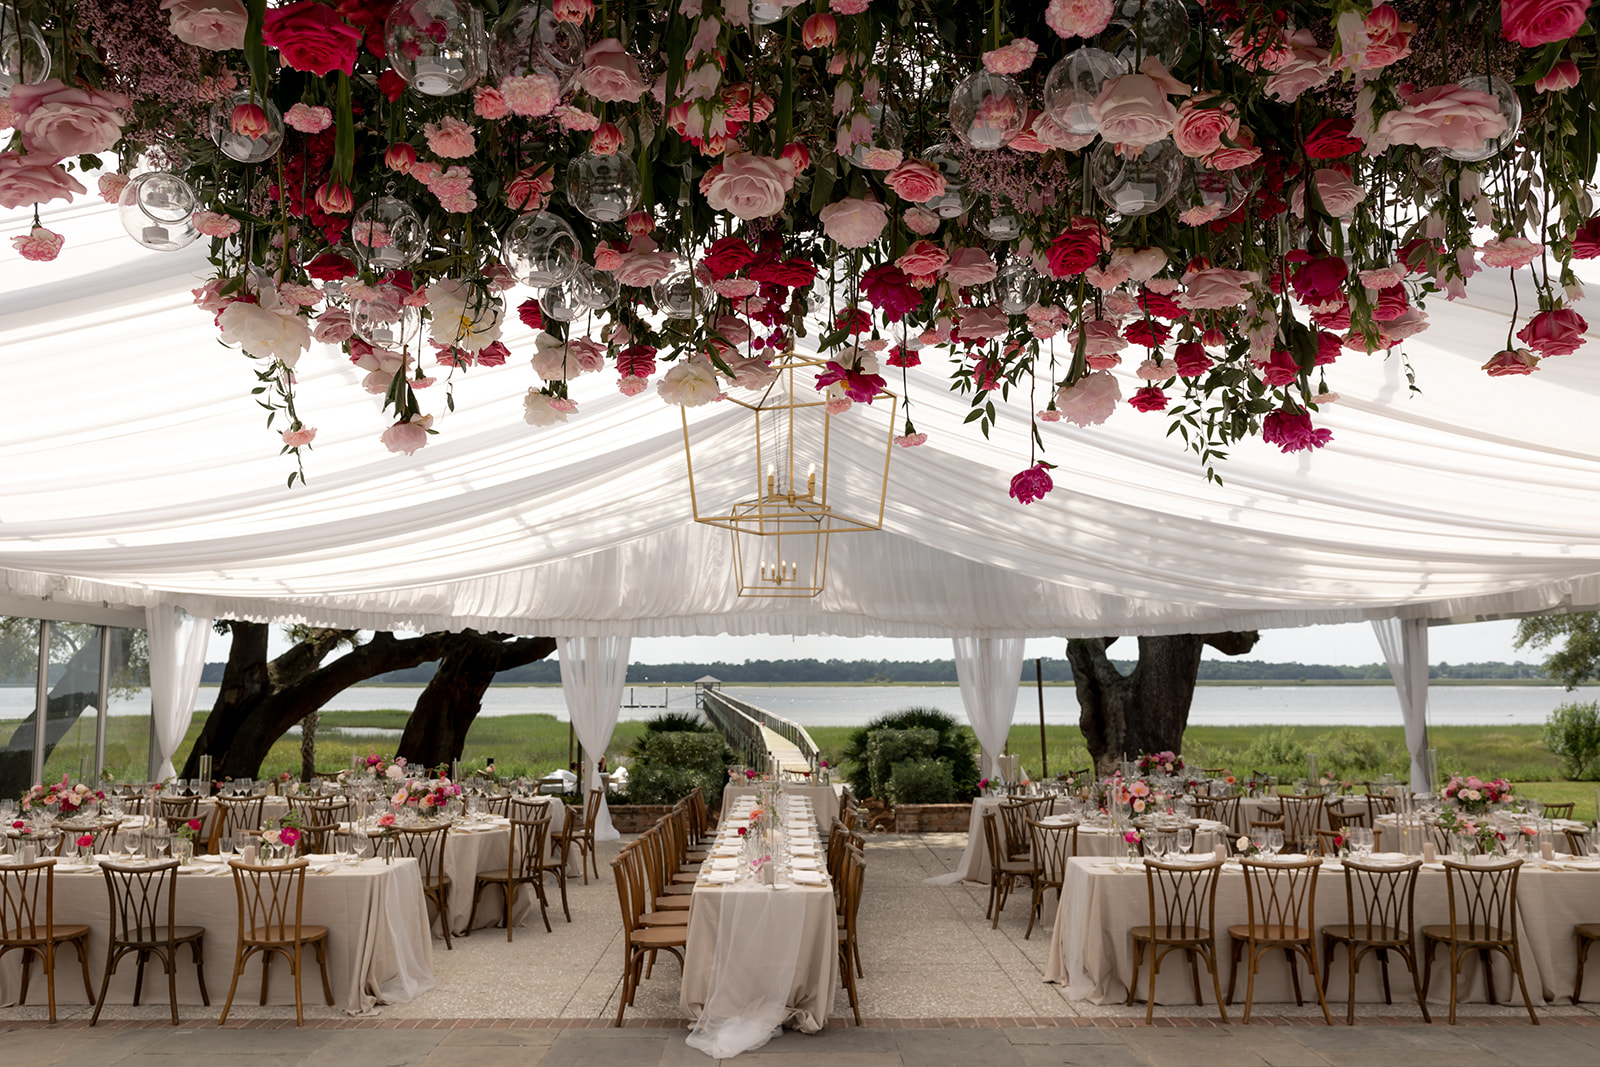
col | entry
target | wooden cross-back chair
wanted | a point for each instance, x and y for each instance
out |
(1379, 909)
(28, 926)
(1053, 846)
(143, 902)
(425, 844)
(1483, 919)
(641, 943)
(530, 829)
(854, 870)
(1183, 907)
(1301, 817)
(234, 816)
(270, 903)
(1281, 898)
(1003, 872)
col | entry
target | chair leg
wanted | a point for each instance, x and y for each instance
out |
(198, 945)
(83, 960)
(1383, 962)
(1455, 970)
(170, 957)
(444, 915)
(1216, 983)
(1033, 909)
(238, 966)
(1416, 984)
(27, 969)
(138, 975)
(1294, 975)
(1194, 972)
(294, 965)
(1327, 964)
(509, 899)
(1250, 984)
(1516, 965)
(627, 984)
(1316, 982)
(266, 972)
(1233, 968)
(322, 962)
(561, 880)
(1133, 983)
(1583, 954)
(50, 976)
(544, 904)
(472, 916)
(105, 983)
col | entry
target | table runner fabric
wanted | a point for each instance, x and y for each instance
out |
(379, 947)
(1091, 953)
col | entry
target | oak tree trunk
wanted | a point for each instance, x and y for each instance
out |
(437, 730)
(1123, 716)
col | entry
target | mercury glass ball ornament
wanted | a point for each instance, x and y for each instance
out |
(534, 41)
(1018, 286)
(24, 53)
(887, 134)
(542, 250)
(437, 46)
(1140, 29)
(387, 234)
(603, 188)
(1074, 84)
(157, 209)
(957, 197)
(1510, 107)
(240, 146)
(677, 296)
(988, 110)
(1136, 185)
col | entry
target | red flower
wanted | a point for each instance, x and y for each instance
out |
(391, 85)
(1586, 242)
(1075, 251)
(1331, 140)
(1149, 398)
(195, 824)
(1191, 358)
(1511, 361)
(531, 315)
(1554, 333)
(1321, 281)
(493, 354)
(903, 357)
(890, 291)
(1146, 332)
(1160, 305)
(312, 37)
(1280, 368)
(726, 256)
(1328, 348)
(636, 361)
(331, 267)
(1032, 484)
(853, 320)
(1291, 431)
(1392, 303)
(793, 273)
(860, 387)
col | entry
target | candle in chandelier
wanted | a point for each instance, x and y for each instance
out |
(811, 480)
(772, 479)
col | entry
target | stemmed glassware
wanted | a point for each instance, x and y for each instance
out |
(1274, 841)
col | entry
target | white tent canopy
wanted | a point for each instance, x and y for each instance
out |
(138, 473)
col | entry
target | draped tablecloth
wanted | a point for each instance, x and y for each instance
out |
(1091, 952)
(824, 800)
(379, 949)
(757, 958)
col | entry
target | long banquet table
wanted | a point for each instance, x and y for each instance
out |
(759, 957)
(379, 948)
(1091, 952)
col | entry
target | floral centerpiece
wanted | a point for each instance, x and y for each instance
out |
(1228, 198)
(427, 797)
(60, 799)
(1165, 762)
(1480, 834)
(373, 765)
(1472, 794)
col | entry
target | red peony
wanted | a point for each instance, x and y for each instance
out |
(1554, 333)
(1032, 484)
(1075, 251)
(1149, 398)
(726, 256)
(1331, 139)
(890, 291)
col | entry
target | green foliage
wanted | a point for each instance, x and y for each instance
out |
(887, 748)
(678, 722)
(671, 763)
(955, 746)
(922, 781)
(1273, 748)
(1356, 755)
(1573, 732)
(1578, 660)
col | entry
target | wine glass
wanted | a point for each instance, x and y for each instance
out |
(1258, 838)
(1185, 841)
(8, 810)
(1274, 841)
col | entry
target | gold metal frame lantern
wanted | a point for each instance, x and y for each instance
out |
(785, 494)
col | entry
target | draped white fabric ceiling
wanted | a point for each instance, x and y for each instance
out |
(137, 470)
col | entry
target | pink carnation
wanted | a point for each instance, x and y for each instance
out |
(1510, 252)
(450, 138)
(489, 103)
(1013, 58)
(848, 7)
(211, 224)
(531, 95)
(308, 119)
(1078, 18)
(300, 437)
(38, 244)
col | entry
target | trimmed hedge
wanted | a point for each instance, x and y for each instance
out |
(923, 781)
(887, 748)
(671, 763)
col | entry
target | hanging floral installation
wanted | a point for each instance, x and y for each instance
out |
(1231, 196)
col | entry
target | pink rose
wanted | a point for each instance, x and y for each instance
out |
(1554, 333)
(308, 119)
(881, 158)
(1199, 130)
(1078, 18)
(1014, 58)
(854, 223)
(922, 258)
(1445, 116)
(532, 95)
(970, 266)
(450, 138)
(1532, 23)
(1032, 484)
(530, 190)
(38, 244)
(610, 74)
(407, 435)
(1511, 361)
(1339, 195)
(215, 25)
(820, 31)
(920, 222)
(1243, 153)
(312, 37)
(58, 121)
(1301, 66)
(1215, 288)
(1133, 109)
(915, 181)
(640, 269)
(747, 185)
(29, 180)
(983, 323)
(1387, 40)
(1562, 76)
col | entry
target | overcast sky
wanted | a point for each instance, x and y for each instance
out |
(1348, 645)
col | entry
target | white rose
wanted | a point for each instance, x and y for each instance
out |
(690, 383)
(538, 409)
(266, 330)
(463, 317)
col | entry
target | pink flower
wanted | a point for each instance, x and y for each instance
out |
(1300, 67)
(1076, 249)
(407, 435)
(848, 7)
(386, 819)
(575, 118)
(249, 120)
(1445, 116)
(334, 198)
(920, 222)
(1191, 359)
(1032, 484)
(820, 31)
(450, 138)
(489, 103)
(575, 12)
(1532, 23)
(1199, 130)
(1554, 333)
(1339, 195)
(532, 95)
(606, 139)
(530, 190)
(308, 119)
(1013, 58)
(110, 186)
(881, 158)
(1133, 109)
(1291, 431)
(1562, 76)
(984, 323)
(401, 157)
(1242, 153)
(312, 37)
(747, 185)
(1091, 400)
(922, 258)
(212, 224)
(610, 74)
(57, 121)
(33, 179)
(911, 440)
(38, 244)
(915, 181)
(854, 223)
(215, 25)
(1078, 18)
(970, 266)
(299, 437)
(1510, 252)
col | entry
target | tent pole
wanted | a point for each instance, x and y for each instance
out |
(1038, 678)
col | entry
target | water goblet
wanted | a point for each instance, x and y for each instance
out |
(1185, 840)
(1274, 841)
(1258, 838)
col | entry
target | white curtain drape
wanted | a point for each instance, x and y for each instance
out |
(593, 670)
(990, 670)
(177, 656)
(1405, 648)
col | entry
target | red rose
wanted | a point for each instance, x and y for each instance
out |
(726, 256)
(1160, 305)
(1331, 140)
(1392, 303)
(1075, 251)
(331, 267)
(1586, 242)
(493, 354)
(1554, 333)
(530, 314)
(312, 37)
(390, 84)
(1321, 281)
(890, 291)
(853, 320)
(793, 273)
(1191, 358)
(1280, 369)
(903, 357)
(1328, 347)
(1149, 398)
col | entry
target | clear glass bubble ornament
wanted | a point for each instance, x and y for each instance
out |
(383, 322)
(766, 12)
(602, 286)
(24, 53)
(888, 132)
(1137, 185)
(1074, 84)
(1218, 193)
(387, 234)
(157, 211)
(957, 197)
(587, 290)
(603, 188)
(542, 250)
(987, 110)
(1510, 107)
(1003, 225)
(1140, 29)
(1018, 286)
(534, 41)
(437, 46)
(677, 296)
(241, 146)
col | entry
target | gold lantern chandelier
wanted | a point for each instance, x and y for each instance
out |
(785, 491)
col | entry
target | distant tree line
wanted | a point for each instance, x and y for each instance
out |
(866, 672)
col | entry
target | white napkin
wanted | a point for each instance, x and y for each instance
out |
(721, 877)
(801, 863)
(724, 863)
(810, 878)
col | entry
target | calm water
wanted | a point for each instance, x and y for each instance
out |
(1482, 705)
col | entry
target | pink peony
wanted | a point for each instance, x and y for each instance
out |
(1511, 361)
(748, 186)
(29, 180)
(1445, 116)
(1200, 129)
(312, 37)
(215, 25)
(57, 121)
(308, 119)
(1032, 484)
(915, 181)
(450, 138)
(1510, 252)
(1013, 58)
(854, 223)
(1078, 18)
(532, 95)
(1554, 333)
(1532, 23)
(407, 435)
(38, 244)
(610, 74)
